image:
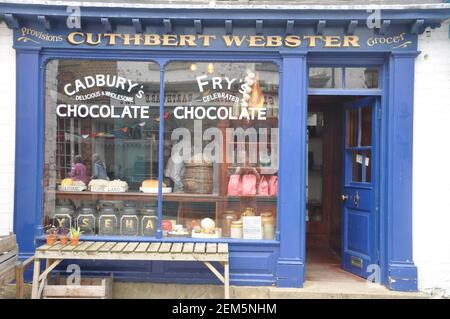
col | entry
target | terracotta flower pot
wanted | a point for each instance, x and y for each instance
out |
(51, 239)
(74, 241)
(63, 239)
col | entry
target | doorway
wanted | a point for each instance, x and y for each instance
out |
(341, 215)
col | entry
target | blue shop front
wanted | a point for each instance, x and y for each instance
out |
(280, 132)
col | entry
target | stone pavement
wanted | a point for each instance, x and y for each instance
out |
(311, 290)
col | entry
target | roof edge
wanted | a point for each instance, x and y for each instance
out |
(213, 5)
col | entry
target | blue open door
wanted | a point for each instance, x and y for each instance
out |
(359, 197)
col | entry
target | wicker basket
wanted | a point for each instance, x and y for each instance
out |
(198, 178)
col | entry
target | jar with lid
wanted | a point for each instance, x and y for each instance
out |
(108, 219)
(149, 218)
(228, 217)
(268, 225)
(249, 211)
(63, 216)
(236, 229)
(86, 218)
(129, 221)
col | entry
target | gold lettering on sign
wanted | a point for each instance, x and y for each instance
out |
(170, 40)
(152, 39)
(312, 39)
(72, 38)
(292, 41)
(135, 38)
(111, 38)
(332, 41)
(256, 41)
(93, 40)
(206, 39)
(187, 39)
(274, 41)
(230, 40)
(351, 40)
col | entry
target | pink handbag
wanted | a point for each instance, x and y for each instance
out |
(248, 184)
(273, 185)
(263, 187)
(235, 185)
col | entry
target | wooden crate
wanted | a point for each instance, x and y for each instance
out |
(89, 288)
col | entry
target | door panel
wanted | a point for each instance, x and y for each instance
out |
(360, 221)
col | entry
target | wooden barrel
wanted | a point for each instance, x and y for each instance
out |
(198, 178)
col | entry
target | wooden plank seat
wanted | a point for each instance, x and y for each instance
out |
(11, 268)
(137, 251)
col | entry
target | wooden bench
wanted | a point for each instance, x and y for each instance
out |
(138, 251)
(10, 265)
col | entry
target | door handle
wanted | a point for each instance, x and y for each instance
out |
(356, 199)
(344, 197)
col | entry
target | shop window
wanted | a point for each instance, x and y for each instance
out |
(343, 78)
(324, 78)
(220, 150)
(101, 143)
(361, 78)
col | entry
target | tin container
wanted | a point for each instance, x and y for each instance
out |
(236, 229)
(268, 225)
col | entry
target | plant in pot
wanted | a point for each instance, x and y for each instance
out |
(51, 234)
(75, 236)
(63, 235)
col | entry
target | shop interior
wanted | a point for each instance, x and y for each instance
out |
(324, 189)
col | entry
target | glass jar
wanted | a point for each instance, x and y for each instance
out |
(63, 216)
(149, 219)
(227, 218)
(86, 218)
(236, 229)
(268, 225)
(107, 220)
(249, 211)
(129, 221)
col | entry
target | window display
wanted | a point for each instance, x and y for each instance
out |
(220, 151)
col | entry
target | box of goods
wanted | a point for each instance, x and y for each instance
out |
(70, 185)
(97, 185)
(151, 186)
(116, 186)
(207, 229)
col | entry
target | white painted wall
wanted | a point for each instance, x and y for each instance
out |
(431, 168)
(7, 127)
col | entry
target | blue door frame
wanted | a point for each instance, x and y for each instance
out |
(280, 262)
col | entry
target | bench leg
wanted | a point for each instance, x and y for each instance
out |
(36, 274)
(226, 273)
(19, 281)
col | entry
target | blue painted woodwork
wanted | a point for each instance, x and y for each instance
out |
(360, 215)
(282, 261)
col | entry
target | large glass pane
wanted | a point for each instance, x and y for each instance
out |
(361, 78)
(361, 166)
(220, 150)
(366, 126)
(325, 78)
(352, 127)
(101, 143)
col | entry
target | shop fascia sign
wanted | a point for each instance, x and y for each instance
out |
(365, 38)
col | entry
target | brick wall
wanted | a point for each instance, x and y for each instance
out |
(431, 175)
(7, 128)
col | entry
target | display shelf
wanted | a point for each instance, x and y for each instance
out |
(176, 197)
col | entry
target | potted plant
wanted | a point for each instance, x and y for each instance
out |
(51, 234)
(74, 236)
(63, 236)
